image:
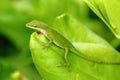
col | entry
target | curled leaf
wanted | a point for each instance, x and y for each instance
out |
(108, 11)
(47, 60)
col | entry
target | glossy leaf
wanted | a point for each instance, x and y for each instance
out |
(47, 60)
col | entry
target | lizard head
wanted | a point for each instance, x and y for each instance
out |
(37, 25)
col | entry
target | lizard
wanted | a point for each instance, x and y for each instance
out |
(59, 40)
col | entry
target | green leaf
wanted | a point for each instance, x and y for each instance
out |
(68, 26)
(108, 11)
(75, 31)
(47, 60)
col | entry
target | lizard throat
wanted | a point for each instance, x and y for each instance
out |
(42, 31)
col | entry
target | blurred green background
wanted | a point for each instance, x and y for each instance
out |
(15, 58)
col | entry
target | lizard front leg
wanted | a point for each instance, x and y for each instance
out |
(46, 45)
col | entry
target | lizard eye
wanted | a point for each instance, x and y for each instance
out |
(34, 26)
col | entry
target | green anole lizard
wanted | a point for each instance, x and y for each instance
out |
(59, 40)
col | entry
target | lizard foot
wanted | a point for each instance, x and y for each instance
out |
(64, 64)
(45, 46)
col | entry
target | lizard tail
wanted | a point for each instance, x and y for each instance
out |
(78, 53)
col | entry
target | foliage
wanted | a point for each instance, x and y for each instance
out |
(15, 56)
(47, 60)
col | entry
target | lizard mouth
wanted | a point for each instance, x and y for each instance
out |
(28, 25)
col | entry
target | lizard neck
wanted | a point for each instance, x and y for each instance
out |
(42, 31)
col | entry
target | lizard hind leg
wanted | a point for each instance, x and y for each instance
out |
(66, 55)
(66, 63)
